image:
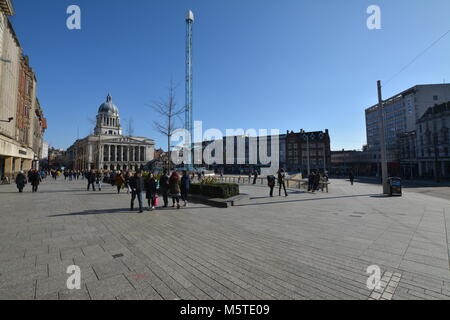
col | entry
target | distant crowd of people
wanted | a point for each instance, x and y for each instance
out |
(167, 185)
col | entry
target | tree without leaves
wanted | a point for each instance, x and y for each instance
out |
(93, 123)
(130, 133)
(168, 111)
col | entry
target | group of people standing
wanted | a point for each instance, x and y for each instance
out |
(168, 185)
(281, 182)
(72, 175)
(314, 179)
(33, 176)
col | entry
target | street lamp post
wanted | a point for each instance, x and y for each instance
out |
(384, 167)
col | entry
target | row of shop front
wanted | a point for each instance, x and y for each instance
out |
(15, 158)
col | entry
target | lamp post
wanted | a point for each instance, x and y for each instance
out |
(384, 166)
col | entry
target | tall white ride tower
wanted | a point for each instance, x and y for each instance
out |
(189, 120)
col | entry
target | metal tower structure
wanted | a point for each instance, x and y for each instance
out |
(189, 120)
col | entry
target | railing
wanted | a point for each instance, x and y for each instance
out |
(290, 183)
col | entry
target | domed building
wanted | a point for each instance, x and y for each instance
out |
(108, 120)
(108, 148)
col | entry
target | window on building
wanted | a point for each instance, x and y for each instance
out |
(435, 98)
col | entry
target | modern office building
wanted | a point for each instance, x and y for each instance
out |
(401, 112)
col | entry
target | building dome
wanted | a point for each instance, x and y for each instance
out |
(108, 107)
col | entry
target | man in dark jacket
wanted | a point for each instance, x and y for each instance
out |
(164, 187)
(90, 176)
(282, 182)
(185, 185)
(35, 179)
(137, 187)
(271, 183)
(255, 176)
(351, 177)
(21, 181)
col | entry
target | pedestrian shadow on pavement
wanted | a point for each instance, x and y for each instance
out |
(302, 200)
(89, 193)
(126, 210)
(93, 212)
(43, 191)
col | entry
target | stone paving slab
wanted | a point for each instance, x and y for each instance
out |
(305, 246)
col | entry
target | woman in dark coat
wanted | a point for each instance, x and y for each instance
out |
(185, 185)
(21, 181)
(174, 189)
(35, 179)
(150, 185)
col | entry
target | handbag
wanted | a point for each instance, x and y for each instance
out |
(155, 200)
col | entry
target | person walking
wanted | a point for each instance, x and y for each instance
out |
(311, 182)
(185, 186)
(351, 176)
(137, 186)
(255, 176)
(99, 179)
(127, 182)
(90, 176)
(271, 183)
(282, 181)
(316, 181)
(175, 190)
(164, 187)
(21, 181)
(151, 190)
(119, 181)
(35, 179)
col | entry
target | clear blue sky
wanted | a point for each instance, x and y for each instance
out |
(286, 64)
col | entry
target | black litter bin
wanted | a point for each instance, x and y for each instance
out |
(395, 187)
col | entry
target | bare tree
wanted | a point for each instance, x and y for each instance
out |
(168, 112)
(97, 155)
(130, 127)
(130, 133)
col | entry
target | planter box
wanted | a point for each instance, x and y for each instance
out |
(217, 190)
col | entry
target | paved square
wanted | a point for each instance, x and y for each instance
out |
(306, 246)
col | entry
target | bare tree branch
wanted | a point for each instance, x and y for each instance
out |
(167, 111)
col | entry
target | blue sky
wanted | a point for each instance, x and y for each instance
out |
(285, 64)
